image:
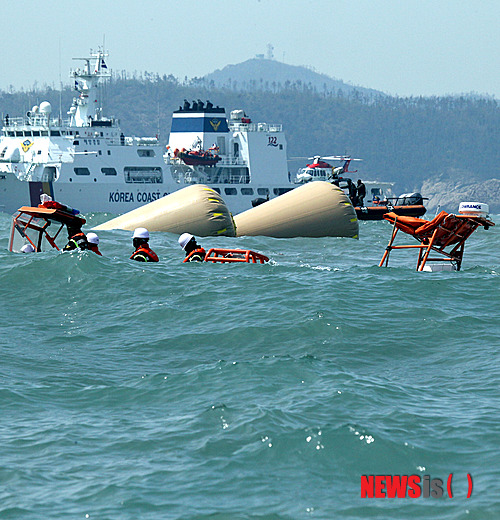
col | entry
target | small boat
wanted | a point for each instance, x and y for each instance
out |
(197, 156)
(407, 205)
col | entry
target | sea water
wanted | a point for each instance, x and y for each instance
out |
(231, 392)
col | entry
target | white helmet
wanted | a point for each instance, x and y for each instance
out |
(141, 232)
(184, 239)
(27, 248)
(92, 238)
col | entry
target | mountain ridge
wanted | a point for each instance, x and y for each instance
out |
(268, 74)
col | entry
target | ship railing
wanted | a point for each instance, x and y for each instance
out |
(131, 141)
(34, 120)
(255, 127)
(143, 141)
(227, 160)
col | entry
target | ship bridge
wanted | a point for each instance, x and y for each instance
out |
(199, 123)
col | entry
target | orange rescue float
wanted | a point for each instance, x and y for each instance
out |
(226, 256)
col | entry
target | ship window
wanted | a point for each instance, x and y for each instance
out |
(36, 133)
(108, 171)
(45, 132)
(230, 191)
(27, 133)
(81, 171)
(109, 152)
(100, 152)
(281, 147)
(11, 133)
(75, 142)
(39, 152)
(19, 133)
(262, 191)
(146, 153)
(280, 191)
(217, 190)
(143, 174)
(247, 191)
(55, 133)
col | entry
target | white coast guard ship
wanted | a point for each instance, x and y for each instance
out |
(87, 162)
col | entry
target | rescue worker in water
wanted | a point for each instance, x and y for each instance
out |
(93, 241)
(76, 238)
(194, 252)
(142, 253)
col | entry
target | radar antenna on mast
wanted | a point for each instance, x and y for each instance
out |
(86, 81)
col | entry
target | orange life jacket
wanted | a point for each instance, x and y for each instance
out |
(95, 249)
(144, 252)
(196, 255)
(78, 241)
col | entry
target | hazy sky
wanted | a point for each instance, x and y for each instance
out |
(403, 47)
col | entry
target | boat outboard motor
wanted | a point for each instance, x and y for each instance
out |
(409, 199)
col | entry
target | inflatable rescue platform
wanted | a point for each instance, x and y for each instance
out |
(316, 209)
(196, 209)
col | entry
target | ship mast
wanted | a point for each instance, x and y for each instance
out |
(85, 107)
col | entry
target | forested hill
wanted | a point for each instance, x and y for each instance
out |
(445, 147)
(272, 75)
